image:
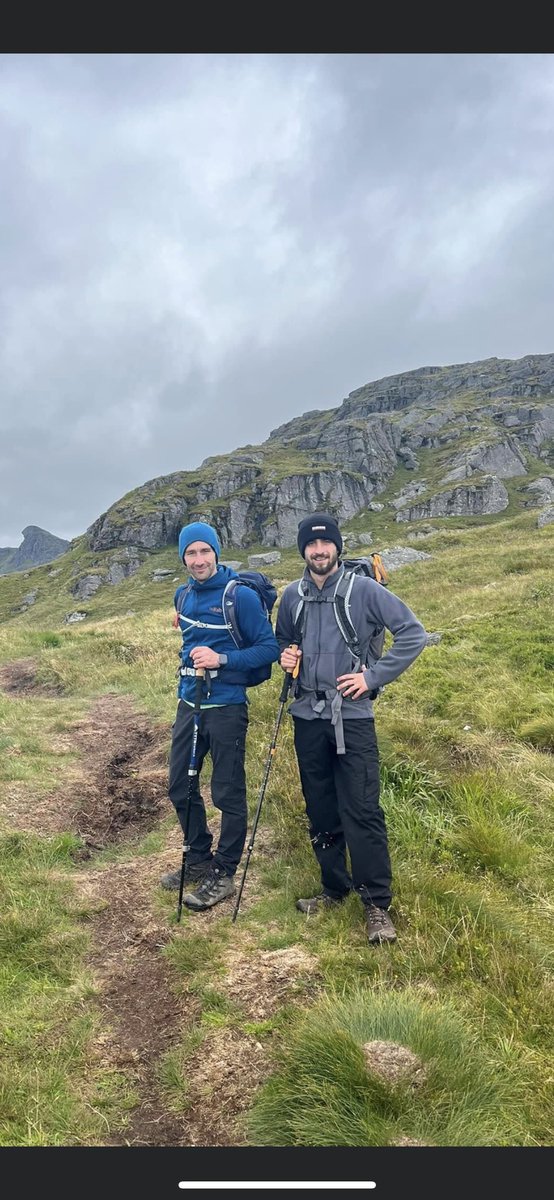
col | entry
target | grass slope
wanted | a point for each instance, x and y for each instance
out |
(468, 785)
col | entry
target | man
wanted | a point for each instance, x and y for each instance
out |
(208, 644)
(334, 729)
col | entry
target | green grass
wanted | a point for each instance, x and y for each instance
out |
(323, 1093)
(468, 789)
(48, 1094)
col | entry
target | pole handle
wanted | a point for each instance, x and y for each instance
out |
(289, 676)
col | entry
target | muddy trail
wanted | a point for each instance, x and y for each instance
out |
(116, 794)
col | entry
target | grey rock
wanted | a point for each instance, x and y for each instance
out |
(408, 458)
(540, 492)
(474, 499)
(357, 539)
(503, 459)
(375, 506)
(87, 586)
(409, 492)
(161, 573)
(124, 526)
(118, 571)
(298, 495)
(74, 616)
(342, 458)
(546, 517)
(434, 639)
(52, 574)
(264, 560)
(29, 598)
(402, 556)
(233, 564)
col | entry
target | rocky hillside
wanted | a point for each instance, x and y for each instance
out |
(440, 441)
(38, 546)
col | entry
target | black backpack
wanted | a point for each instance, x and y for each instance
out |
(374, 568)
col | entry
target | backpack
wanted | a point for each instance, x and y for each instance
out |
(374, 568)
(267, 594)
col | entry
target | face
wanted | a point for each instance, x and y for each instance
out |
(200, 561)
(321, 556)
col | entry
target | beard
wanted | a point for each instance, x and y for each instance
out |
(325, 565)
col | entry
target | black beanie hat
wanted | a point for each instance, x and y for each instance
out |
(320, 525)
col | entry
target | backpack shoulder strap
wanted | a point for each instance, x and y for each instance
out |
(341, 608)
(299, 613)
(228, 605)
(180, 597)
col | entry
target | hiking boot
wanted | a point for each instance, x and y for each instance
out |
(317, 903)
(215, 886)
(379, 925)
(193, 874)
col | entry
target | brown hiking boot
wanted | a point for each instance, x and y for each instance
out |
(317, 903)
(379, 925)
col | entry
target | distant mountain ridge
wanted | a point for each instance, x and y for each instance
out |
(458, 430)
(38, 547)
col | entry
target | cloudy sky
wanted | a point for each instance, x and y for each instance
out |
(196, 248)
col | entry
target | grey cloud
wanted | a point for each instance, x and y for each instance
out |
(197, 248)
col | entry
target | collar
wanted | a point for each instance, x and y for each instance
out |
(330, 583)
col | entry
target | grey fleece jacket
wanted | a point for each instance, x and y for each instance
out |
(325, 654)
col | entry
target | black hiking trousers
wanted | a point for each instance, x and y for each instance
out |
(342, 802)
(222, 732)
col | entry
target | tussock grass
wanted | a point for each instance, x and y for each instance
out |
(323, 1093)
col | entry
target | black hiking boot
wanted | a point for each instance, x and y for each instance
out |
(194, 873)
(317, 903)
(379, 925)
(215, 886)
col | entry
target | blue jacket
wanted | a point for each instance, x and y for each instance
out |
(202, 602)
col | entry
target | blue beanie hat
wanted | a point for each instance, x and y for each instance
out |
(198, 531)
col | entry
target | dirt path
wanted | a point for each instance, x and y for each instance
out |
(117, 795)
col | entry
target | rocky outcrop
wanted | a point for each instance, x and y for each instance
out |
(352, 539)
(38, 547)
(290, 500)
(369, 447)
(402, 556)
(119, 571)
(409, 493)
(129, 526)
(28, 599)
(540, 492)
(529, 376)
(264, 560)
(546, 517)
(344, 458)
(503, 459)
(87, 586)
(477, 499)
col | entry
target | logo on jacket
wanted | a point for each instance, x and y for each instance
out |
(216, 608)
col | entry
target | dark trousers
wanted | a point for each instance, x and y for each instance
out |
(342, 802)
(222, 732)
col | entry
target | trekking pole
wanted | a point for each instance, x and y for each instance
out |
(288, 678)
(192, 773)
